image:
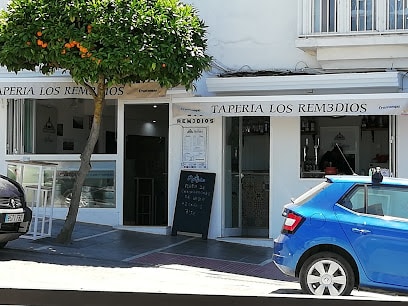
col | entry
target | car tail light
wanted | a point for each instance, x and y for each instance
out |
(292, 222)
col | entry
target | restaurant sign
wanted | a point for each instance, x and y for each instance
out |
(323, 105)
(69, 89)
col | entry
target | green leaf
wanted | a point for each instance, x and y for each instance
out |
(129, 39)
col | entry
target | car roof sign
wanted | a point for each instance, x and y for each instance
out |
(377, 177)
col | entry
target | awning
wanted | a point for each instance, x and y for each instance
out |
(293, 105)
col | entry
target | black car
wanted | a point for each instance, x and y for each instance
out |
(15, 216)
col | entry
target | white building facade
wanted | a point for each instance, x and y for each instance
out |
(290, 82)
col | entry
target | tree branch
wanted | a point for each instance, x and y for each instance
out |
(90, 89)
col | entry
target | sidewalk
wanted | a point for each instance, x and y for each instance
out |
(135, 248)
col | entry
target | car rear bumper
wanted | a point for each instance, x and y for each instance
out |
(282, 258)
(19, 228)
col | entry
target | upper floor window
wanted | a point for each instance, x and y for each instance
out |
(325, 15)
(362, 15)
(397, 14)
(337, 16)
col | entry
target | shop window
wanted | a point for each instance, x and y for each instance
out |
(57, 126)
(343, 145)
(98, 190)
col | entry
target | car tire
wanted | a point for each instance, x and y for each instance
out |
(327, 273)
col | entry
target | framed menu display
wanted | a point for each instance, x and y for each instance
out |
(195, 148)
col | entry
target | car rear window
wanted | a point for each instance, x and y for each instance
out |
(305, 197)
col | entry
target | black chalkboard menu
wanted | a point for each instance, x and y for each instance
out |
(193, 204)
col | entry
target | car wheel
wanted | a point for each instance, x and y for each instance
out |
(326, 273)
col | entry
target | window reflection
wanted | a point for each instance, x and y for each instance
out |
(98, 190)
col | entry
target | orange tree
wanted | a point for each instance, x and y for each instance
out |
(101, 43)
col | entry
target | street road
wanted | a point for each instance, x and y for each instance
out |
(35, 278)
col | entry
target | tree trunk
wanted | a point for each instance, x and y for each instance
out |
(99, 102)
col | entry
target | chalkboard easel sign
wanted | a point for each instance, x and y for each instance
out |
(193, 204)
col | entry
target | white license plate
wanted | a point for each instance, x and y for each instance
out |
(12, 218)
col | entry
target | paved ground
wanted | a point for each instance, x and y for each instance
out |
(107, 243)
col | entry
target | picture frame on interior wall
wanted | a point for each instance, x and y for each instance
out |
(68, 145)
(78, 122)
(60, 129)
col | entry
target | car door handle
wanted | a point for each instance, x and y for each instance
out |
(360, 231)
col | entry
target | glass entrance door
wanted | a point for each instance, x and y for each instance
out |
(246, 177)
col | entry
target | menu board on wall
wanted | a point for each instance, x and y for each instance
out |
(193, 204)
(194, 148)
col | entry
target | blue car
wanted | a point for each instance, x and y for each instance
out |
(347, 232)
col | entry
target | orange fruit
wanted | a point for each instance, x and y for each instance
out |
(39, 42)
(28, 43)
(67, 45)
(164, 65)
(63, 51)
(44, 45)
(39, 33)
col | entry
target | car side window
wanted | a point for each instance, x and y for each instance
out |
(369, 199)
(377, 197)
(355, 199)
(393, 199)
(378, 200)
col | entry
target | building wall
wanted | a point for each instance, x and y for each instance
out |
(215, 157)
(243, 36)
(251, 36)
(402, 146)
(3, 134)
(248, 36)
(285, 181)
